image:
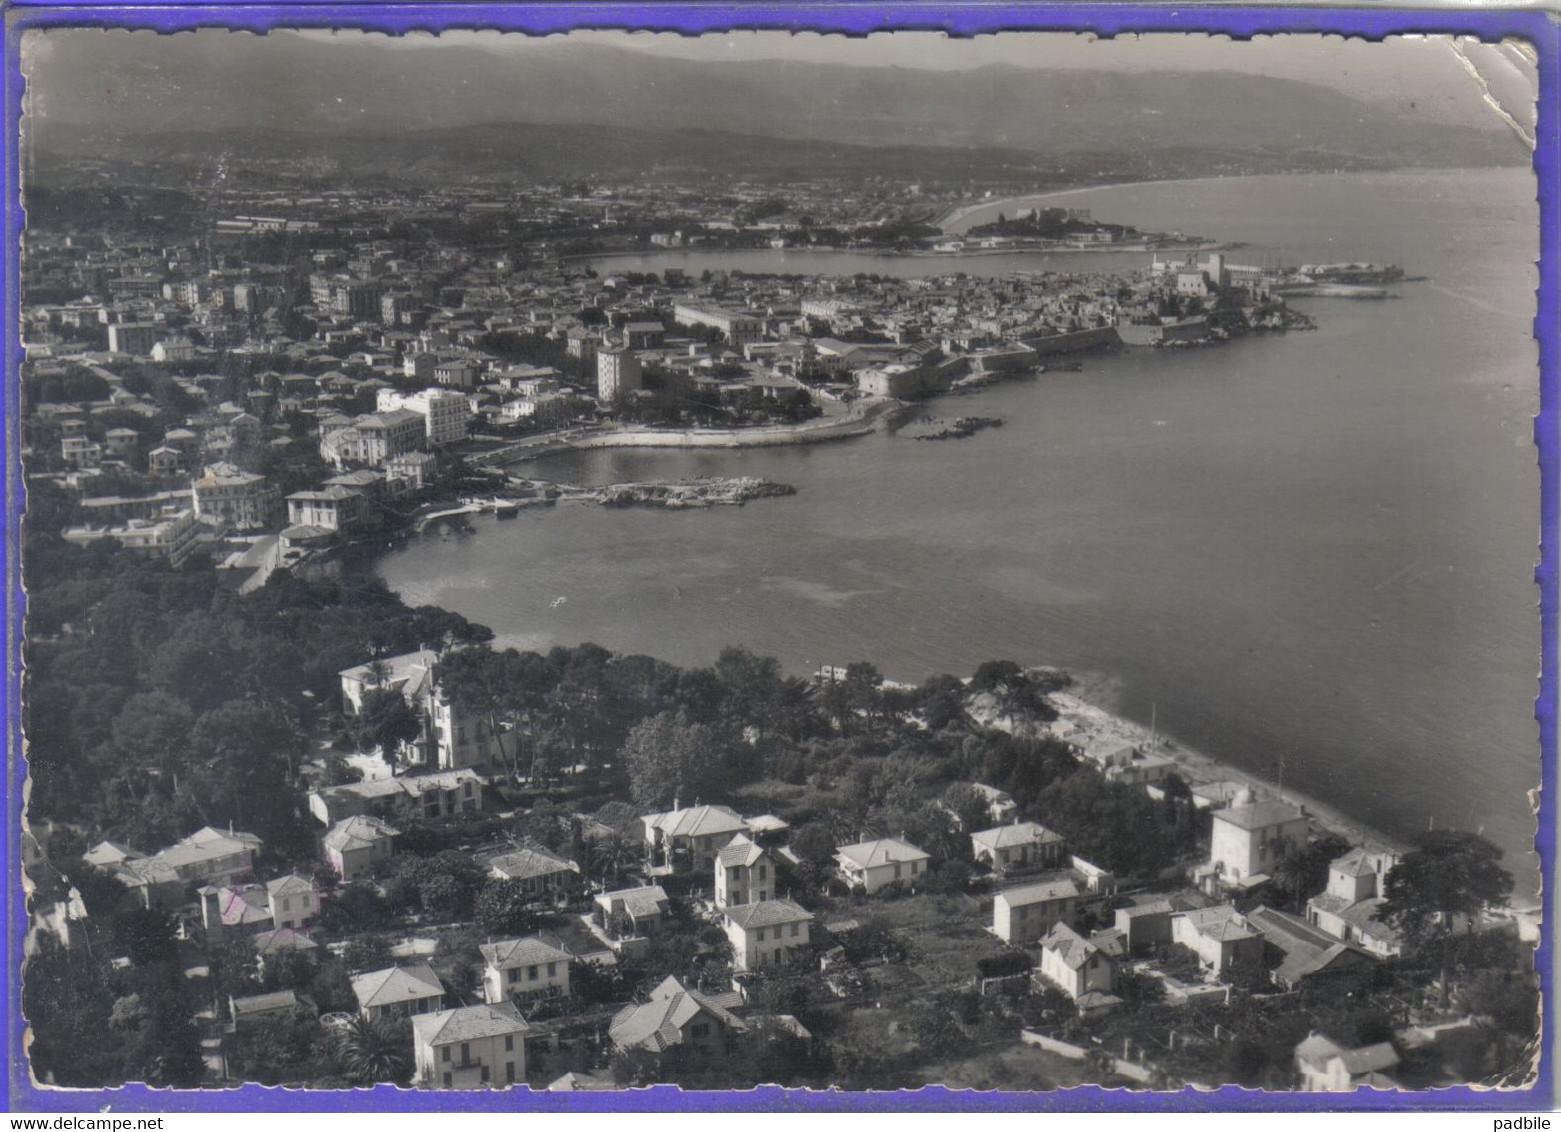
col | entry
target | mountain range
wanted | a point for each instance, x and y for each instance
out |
(568, 109)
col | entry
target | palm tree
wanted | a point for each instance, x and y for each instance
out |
(370, 1052)
(379, 673)
(608, 856)
(1290, 872)
(1302, 869)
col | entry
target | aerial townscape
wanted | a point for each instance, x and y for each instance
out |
(285, 826)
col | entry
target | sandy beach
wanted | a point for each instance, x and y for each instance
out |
(1093, 724)
(957, 215)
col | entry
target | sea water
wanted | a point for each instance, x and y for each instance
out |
(1309, 554)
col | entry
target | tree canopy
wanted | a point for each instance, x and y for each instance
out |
(669, 758)
(1447, 876)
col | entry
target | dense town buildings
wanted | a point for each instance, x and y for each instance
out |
(208, 403)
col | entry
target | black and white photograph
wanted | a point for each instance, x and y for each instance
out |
(616, 558)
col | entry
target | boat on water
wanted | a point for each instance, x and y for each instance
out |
(960, 429)
(1340, 280)
(1338, 291)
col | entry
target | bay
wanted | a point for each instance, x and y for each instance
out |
(1309, 554)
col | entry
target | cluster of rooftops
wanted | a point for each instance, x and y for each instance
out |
(1042, 892)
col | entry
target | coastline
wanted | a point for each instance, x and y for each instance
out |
(1209, 767)
(963, 211)
(1086, 704)
(1137, 248)
(1140, 248)
(956, 215)
(864, 417)
(1080, 706)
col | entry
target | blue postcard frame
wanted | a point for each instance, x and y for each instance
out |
(957, 18)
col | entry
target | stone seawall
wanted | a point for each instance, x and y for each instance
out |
(1074, 341)
(813, 432)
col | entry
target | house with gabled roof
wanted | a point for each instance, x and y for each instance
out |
(416, 796)
(1217, 795)
(1021, 847)
(541, 874)
(1249, 838)
(258, 1009)
(1000, 803)
(1221, 937)
(454, 735)
(208, 856)
(688, 839)
(353, 845)
(676, 1015)
(767, 933)
(1075, 965)
(211, 855)
(1296, 952)
(744, 872)
(153, 883)
(1349, 908)
(470, 1047)
(398, 992)
(644, 906)
(107, 854)
(271, 946)
(527, 968)
(1025, 913)
(871, 865)
(1325, 1066)
(1145, 926)
(241, 908)
(411, 674)
(294, 900)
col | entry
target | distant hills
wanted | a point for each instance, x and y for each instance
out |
(577, 110)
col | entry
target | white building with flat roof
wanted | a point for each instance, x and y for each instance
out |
(446, 413)
(618, 373)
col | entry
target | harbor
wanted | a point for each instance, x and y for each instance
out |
(1032, 537)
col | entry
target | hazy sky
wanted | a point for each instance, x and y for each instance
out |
(1466, 83)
